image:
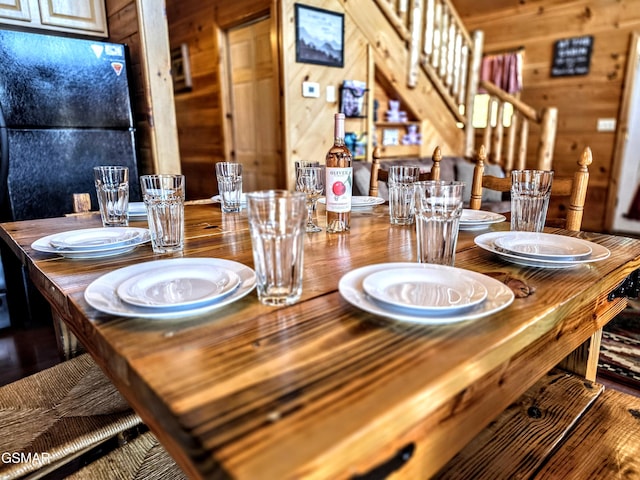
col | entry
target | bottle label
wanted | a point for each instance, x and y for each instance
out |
(338, 189)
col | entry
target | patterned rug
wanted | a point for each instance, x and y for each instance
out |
(620, 352)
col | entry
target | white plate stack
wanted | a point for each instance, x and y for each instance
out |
(544, 250)
(424, 293)
(171, 288)
(93, 242)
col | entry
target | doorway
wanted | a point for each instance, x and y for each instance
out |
(253, 105)
(624, 199)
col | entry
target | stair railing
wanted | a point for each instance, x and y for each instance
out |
(451, 58)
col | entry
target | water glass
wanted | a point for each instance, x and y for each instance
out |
(401, 193)
(530, 192)
(438, 210)
(229, 177)
(163, 196)
(277, 227)
(112, 189)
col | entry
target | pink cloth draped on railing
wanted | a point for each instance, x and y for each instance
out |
(503, 70)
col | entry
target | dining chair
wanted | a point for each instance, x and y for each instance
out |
(60, 413)
(575, 188)
(380, 175)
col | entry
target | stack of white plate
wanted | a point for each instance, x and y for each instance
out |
(479, 219)
(93, 242)
(424, 293)
(171, 288)
(137, 211)
(545, 250)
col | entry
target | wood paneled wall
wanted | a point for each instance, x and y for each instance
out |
(581, 100)
(122, 18)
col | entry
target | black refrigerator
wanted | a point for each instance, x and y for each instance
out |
(65, 107)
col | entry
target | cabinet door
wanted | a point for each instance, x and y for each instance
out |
(76, 15)
(17, 10)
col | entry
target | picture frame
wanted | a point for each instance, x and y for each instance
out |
(181, 68)
(319, 36)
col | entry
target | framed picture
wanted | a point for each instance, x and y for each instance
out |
(181, 68)
(319, 36)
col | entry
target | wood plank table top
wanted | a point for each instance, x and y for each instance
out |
(322, 389)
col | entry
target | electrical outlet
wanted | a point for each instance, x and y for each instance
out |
(606, 124)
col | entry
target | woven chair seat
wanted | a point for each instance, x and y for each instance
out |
(143, 458)
(58, 413)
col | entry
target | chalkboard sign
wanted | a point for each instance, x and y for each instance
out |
(572, 56)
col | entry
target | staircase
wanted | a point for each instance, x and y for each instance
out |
(423, 53)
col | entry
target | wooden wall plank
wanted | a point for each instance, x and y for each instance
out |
(580, 100)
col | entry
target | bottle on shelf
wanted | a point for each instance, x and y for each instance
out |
(339, 181)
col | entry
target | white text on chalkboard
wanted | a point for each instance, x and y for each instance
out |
(572, 56)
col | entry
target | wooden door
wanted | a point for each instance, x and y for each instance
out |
(255, 106)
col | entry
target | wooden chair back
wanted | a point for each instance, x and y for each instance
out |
(573, 187)
(379, 175)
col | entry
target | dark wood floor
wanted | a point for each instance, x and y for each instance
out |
(26, 351)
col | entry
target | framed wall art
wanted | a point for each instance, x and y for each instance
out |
(319, 36)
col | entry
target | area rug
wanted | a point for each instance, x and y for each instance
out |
(620, 351)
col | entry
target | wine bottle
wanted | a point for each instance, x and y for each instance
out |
(339, 180)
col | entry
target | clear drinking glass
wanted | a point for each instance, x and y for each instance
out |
(229, 177)
(310, 181)
(438, 210)
(530, 192)
(276, 224)
(401, 195)
(112, 189)
(163, 196)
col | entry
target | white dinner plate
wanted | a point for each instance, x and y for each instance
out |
(44, 245)
(360, 201)
(486, 241)
(479, 219)
(499, 296)
(101, 294)
(179, 286)
(137, 210)
(543, 246)
(426, 289)
(95, 238)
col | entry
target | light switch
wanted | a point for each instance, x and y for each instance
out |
(331, 93)
(311, 89)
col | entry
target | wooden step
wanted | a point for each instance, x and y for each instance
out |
(563, 427)
(520, 440)
(605, 443)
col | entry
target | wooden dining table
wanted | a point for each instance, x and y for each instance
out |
(321, 388)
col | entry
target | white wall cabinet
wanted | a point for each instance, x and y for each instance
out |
(85, 17)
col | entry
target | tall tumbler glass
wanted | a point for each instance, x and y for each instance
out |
(401, 195)
(530, 192)
(277, 227)
(438, 211)
(229, 177)
(163, 196)
(112, 189)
